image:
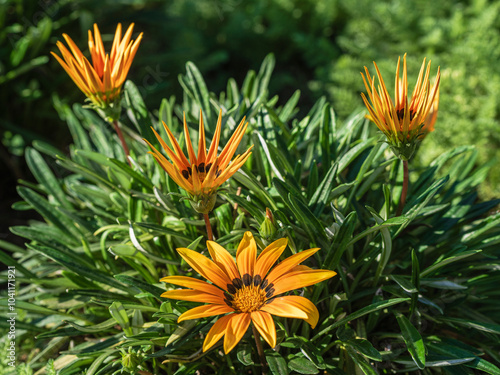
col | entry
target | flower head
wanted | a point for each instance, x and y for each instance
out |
(247, 290)
(102, 80)
(405, 123)
(203, 173)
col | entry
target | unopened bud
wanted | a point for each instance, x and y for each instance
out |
(268, 227)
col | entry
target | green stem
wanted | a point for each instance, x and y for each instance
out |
(122, 140)
(209, 227)
(402, 201)
(260, 350)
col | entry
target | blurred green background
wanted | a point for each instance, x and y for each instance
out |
(320, 47)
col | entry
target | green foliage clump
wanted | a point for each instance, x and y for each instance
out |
(413, 292)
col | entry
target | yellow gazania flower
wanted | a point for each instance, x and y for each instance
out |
(102, 80)
(404, 123)
(248, 290)
(201, 175)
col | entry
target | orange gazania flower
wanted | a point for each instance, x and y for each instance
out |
(202, 174)
(102, 80)
(247, 290)
(403, 122)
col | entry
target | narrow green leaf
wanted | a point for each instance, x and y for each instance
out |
(361, 312)
(365, 348)
(302, 366)
(49, 212)
(446, 261)
(118, 312)
(44, 176)
(413, 341)
(277, 364)
(64, 260)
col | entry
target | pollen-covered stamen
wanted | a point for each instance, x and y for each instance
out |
(246, 294)
(247, 299)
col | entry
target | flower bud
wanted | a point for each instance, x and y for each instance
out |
(268, 228)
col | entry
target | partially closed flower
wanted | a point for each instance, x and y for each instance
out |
(203, 173)
(101, 80)
(406, 121)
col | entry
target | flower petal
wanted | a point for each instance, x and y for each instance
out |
(192, 283)
(205, 267)
(264, 323)
(246, 254)
(194, 296)
(300, 279)
(293, 307)
(216, 332)
(204, 311)
(192, 156)
(223, 259)
(289, 263)
(202, 146)
(212, 152)
(269, 256)
(237, 327)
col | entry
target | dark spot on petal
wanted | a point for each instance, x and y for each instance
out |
(270, 293)
(190, 171)
(269, 287)
(237, 283)
(231, 289)
(201, 167)
(228, 296)
(247, 279)
(207, 168)
(217, 174)
(270, 300)
(228, 303)
(185, 174)
(257, 280)
(264, 284)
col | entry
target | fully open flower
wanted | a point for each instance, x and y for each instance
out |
(203, 173)
(248, 290)
(102, 80)
(404, 122)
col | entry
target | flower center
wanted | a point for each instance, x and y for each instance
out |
(202, 171)
(248, 294)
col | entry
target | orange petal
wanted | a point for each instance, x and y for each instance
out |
(264, 323)
(192, 157)
(293, 307)
(246, 254)
(205, 267)
(216, 332)
(212, 152)
(289, 263)
(269, 256)
(300, 279)
(194, 296)
(116, 42)
(227, 153)
(223, 259)
(237, 327)
(233, 167)
(202, 146)
(176, 146)
(204, 311)
(189, 282)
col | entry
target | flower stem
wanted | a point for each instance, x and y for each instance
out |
(122, 140)
(209, 227)
(260, 350)
(402, 201)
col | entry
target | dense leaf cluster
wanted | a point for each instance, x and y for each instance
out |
(414, 292)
